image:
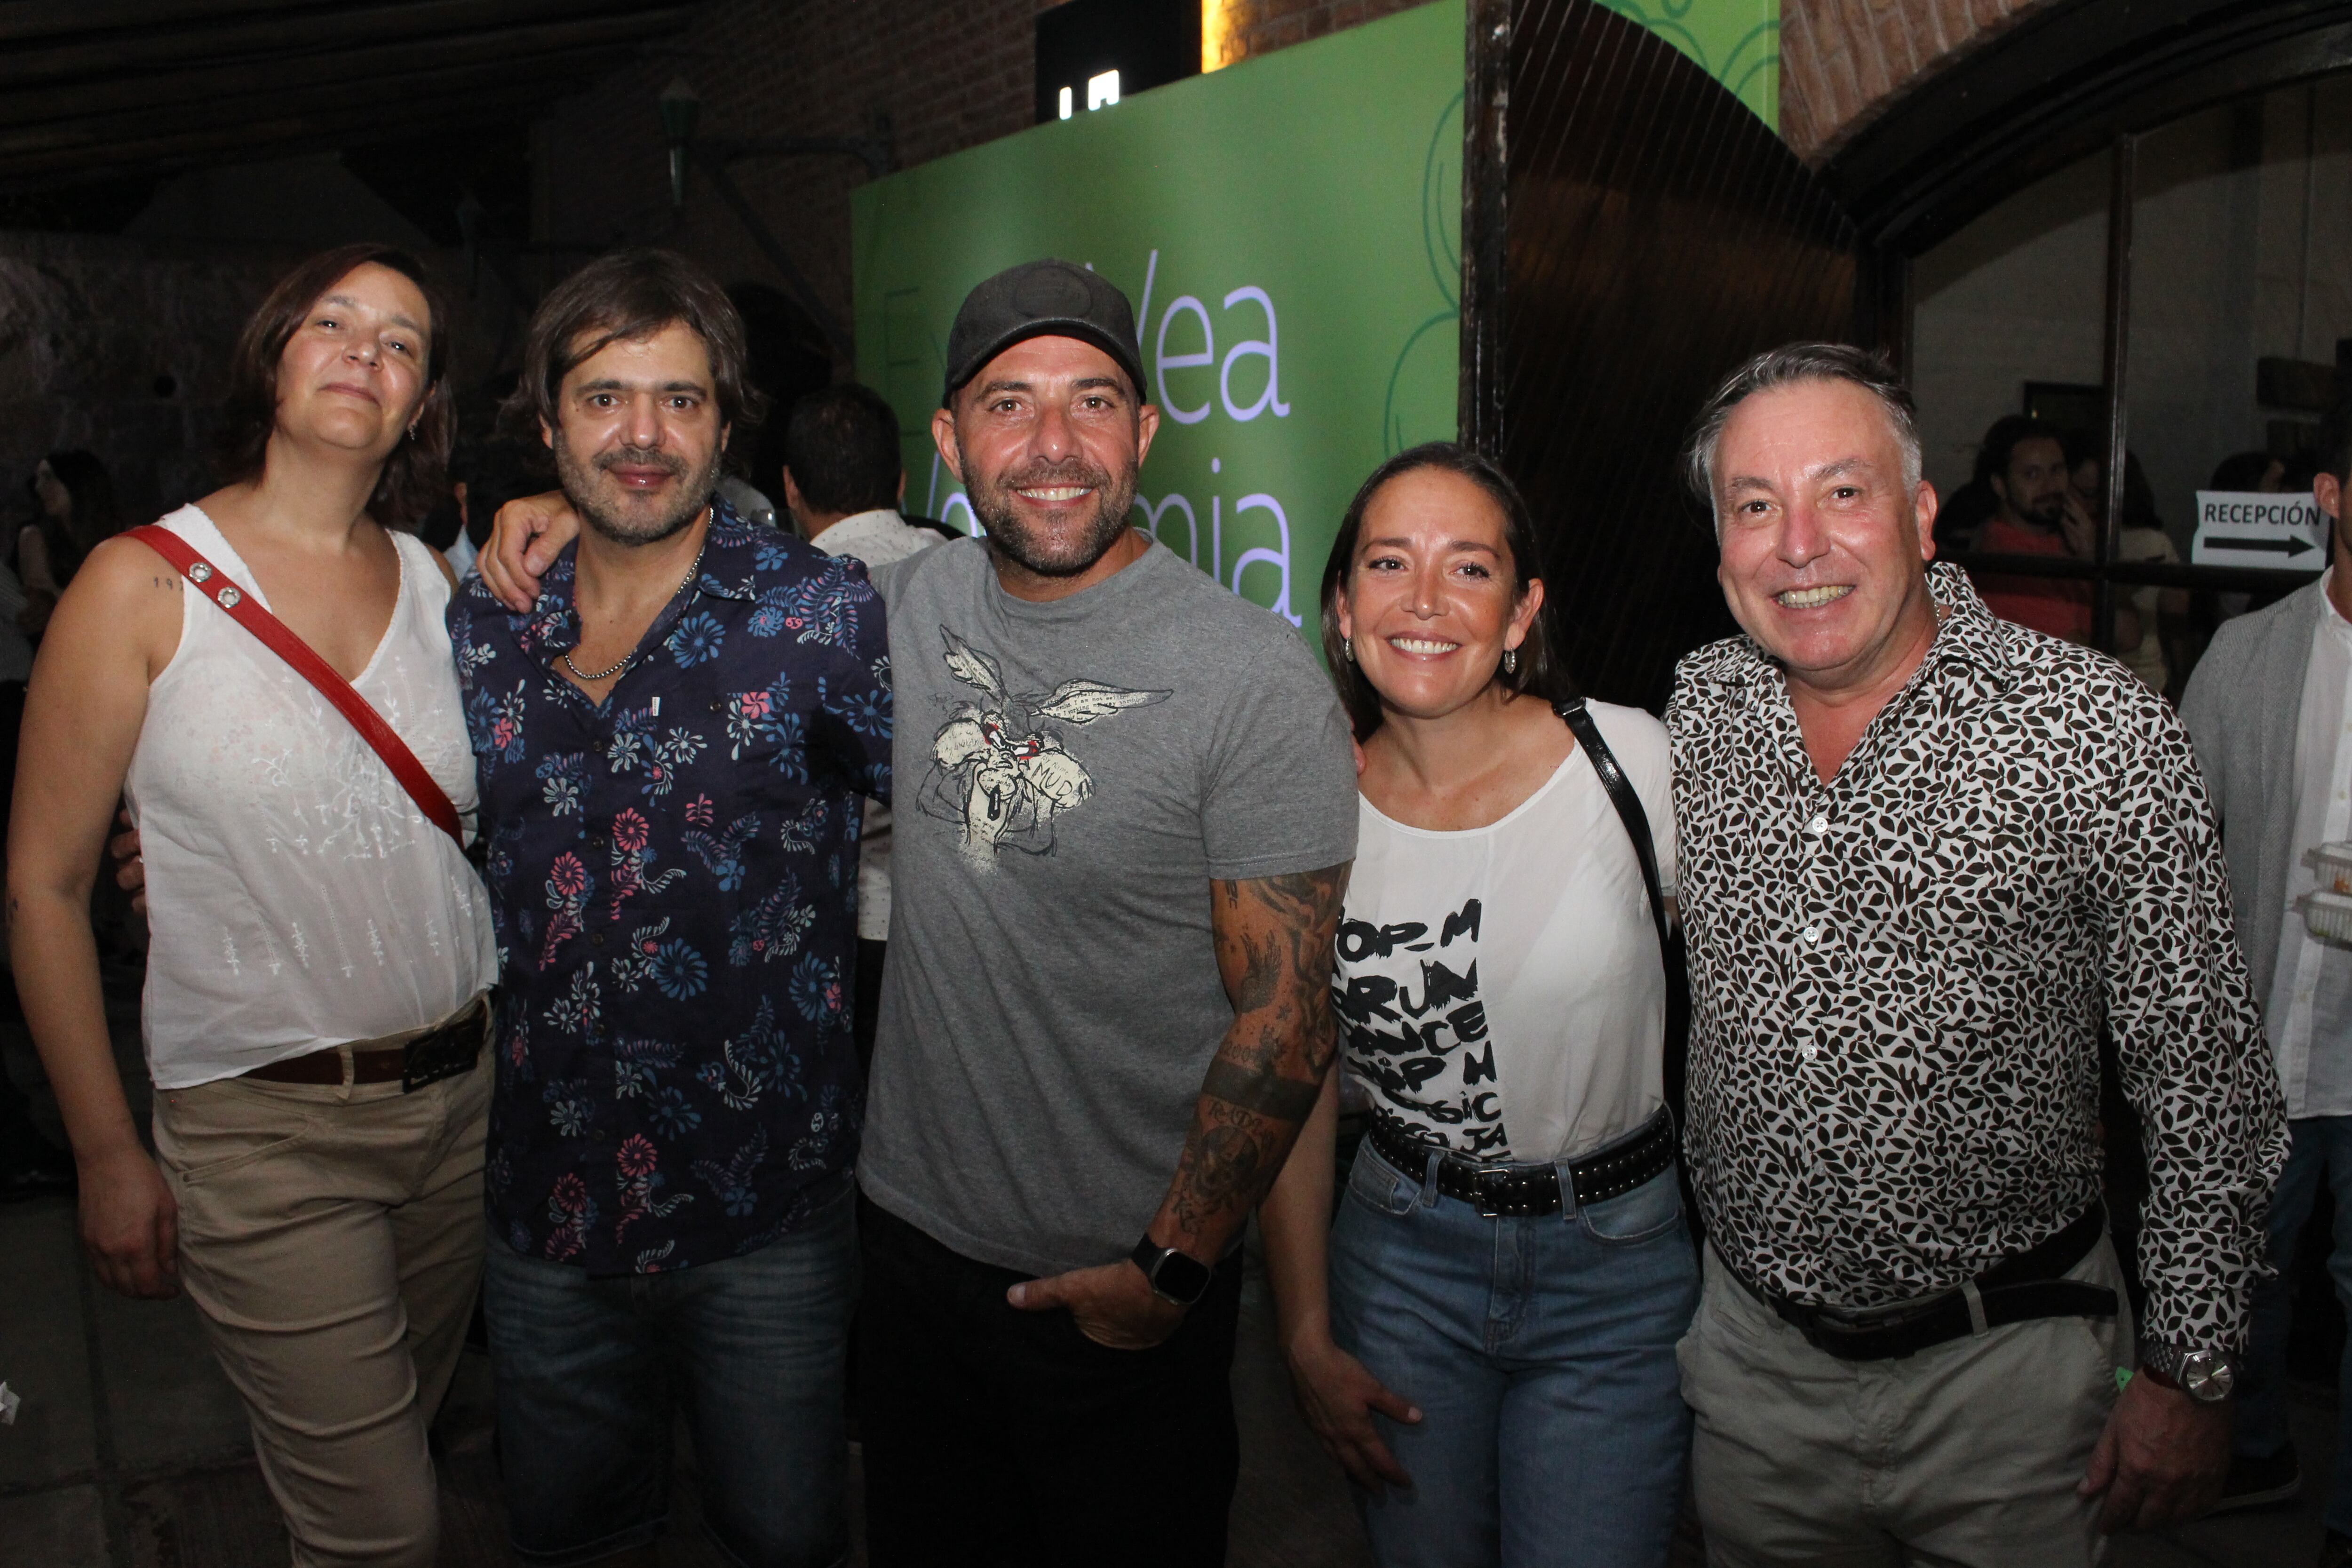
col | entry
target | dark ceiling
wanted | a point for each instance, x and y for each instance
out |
(111, 90)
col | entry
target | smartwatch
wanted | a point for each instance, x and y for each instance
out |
(2206, 1376)
(1173, 1276)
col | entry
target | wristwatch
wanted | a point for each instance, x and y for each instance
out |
(2206, 1376)
(1174, 1276)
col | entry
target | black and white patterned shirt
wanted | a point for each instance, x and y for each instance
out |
(1898, 977)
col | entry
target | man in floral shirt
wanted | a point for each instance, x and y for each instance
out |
(672, 744)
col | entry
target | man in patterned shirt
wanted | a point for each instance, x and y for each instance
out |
(1926, 855)
(671, 743)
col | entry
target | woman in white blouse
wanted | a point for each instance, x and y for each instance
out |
(314, 1008)
(1485, 1339)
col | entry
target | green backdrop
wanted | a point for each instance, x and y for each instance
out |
(1288, 229)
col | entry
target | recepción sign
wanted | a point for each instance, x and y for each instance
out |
(1289, 230)
(2251, 528)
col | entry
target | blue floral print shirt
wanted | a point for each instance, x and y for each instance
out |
(673, 882)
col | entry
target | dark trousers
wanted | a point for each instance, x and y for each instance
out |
(994, 1436)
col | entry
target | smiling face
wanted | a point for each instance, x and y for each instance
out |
(1429, 604)
(640, 437)
(1047, 439)
(1826, 541)
(353, 375)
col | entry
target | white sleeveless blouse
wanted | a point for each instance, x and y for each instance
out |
(296, 897)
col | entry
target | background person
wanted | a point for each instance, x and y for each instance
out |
(1926, 856)
(1501, 994)
(314, 933)
(76, 499)
(843, 483)
(2023, 461)
(2270, 709)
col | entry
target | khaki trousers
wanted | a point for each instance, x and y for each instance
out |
(1966, 1453)
(332, 1237)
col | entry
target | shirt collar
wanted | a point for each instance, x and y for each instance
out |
(730, 558)
(1969, 634)
(857, 525)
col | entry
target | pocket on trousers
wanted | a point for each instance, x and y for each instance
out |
(1377, 1186)
(1649, 1211)
(217, 1129)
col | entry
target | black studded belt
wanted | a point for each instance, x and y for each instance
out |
(1512, 1191)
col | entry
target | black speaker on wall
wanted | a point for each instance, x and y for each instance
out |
(1091, 53)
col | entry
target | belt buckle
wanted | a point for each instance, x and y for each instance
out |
(443, 1053)
(1488, 1180)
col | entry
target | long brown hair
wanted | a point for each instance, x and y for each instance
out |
(417, 474)
(1538, 674)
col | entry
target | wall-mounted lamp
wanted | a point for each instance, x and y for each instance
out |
(681, 106)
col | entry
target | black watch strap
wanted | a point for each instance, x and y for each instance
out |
(1174, 1276)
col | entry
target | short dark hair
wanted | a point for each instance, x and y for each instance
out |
(414, 475)
(2011, 431)
(2331, 445)
(1540, 673)
(620, 298)
(1789, 366)
(841, 446)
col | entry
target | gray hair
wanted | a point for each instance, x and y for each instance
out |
(1786, 366)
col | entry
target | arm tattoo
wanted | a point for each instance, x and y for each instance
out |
(1274, 939)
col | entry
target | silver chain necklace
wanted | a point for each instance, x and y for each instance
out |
(630, 658)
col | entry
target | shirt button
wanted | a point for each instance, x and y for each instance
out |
(595, 938)
(1818, 825)
(1809, 1052)
(1813, 934)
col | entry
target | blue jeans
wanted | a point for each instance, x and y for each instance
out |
(1541, 1353)
(2319, 1147)
(592, 1372)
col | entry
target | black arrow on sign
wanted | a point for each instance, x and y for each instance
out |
(2240, 542)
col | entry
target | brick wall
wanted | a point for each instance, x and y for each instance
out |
(950, 74)
(1843, 62)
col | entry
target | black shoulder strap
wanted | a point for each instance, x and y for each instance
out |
(1629, 804)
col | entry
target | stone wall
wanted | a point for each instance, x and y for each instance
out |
(121, 346)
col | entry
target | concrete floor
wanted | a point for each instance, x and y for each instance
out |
(129, 1450)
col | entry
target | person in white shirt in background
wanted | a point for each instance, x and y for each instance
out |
(2269, 709)
(843, 485)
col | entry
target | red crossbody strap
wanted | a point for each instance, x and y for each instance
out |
(246, 611)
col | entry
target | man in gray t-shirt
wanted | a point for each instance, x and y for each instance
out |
(1125, 807)
(1124, 811)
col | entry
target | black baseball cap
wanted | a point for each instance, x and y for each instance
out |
(1046, 298)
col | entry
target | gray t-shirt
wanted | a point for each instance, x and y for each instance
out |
(1068, 778)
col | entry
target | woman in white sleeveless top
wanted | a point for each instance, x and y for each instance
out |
(311, 925)
(1487, 1333)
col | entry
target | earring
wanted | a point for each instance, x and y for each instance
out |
(1511, 661)
(1348, 649)
(411, 432)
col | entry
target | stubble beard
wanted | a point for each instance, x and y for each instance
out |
(1011, 535)
(585, 483)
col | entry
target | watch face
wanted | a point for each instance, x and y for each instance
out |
(2207, 1376)
(1181, 1279)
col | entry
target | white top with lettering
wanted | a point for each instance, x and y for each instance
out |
(1500, 990)
(297, 897)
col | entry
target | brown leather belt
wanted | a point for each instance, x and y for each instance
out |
(440, 1052)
